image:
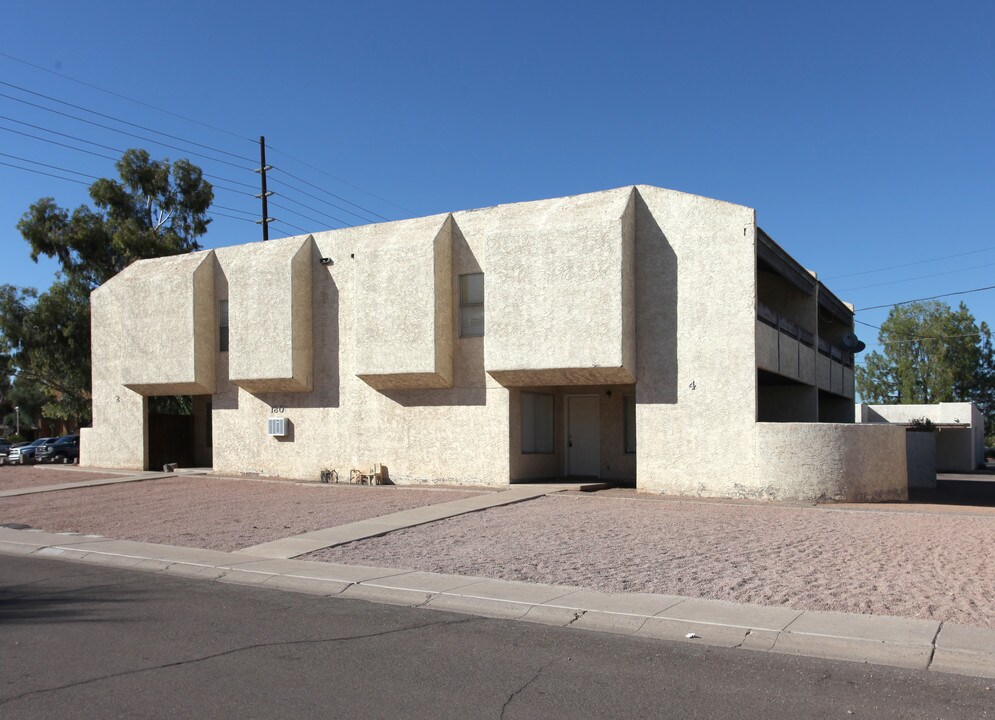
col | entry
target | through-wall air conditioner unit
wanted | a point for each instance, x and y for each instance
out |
(277, 427)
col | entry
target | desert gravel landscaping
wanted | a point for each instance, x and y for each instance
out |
(211, 512)
(15, 477)
(924, 561)
(934, 565)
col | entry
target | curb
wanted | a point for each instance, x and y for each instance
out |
(898, 642)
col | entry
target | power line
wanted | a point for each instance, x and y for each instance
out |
(209, 126)
(338, 197)
(125, 97)
(117, 119)
(41, 172)
(319, 199)
(905, 265)
(95, 177)
(915, 338)
(54, 167)
(226, 215)
(222, 207)
(344, 182)
(308, 207)
(294, 212)
(919, 277)
(932, 297)
(294, 227)
(107, 147)
(231, 190)
(56, 132)
(123, 132)
(214, 211)
(919, 339)
(203, 124)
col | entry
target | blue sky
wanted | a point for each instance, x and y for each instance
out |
(863, 133)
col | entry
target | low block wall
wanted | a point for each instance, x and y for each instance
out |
(830, 461)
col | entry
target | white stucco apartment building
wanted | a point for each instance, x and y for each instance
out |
(636, 333)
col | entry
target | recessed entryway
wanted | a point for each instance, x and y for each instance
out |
(179, 430)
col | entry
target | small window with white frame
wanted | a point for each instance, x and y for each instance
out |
(471, 305)
(629, 405)
(537, 423)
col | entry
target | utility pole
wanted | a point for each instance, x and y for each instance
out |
(263, 167)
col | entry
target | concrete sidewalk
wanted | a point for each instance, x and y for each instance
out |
(298, 545)
(900, 642)
(137, 477)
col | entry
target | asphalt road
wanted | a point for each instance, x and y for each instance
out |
(80, 641)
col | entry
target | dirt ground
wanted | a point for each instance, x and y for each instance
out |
(936, 565)
(14, 477)
(209, 512)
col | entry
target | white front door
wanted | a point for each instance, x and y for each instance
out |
(583, 441)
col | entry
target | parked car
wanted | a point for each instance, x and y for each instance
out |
(4, 449)
(65, 449)
(26, 453)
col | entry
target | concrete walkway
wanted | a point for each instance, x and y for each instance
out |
(900, 642)
(31, 490)
(297, 545)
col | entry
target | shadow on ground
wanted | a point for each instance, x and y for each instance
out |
(980, 492)
(54, 604)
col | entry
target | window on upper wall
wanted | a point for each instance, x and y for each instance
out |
(537, 423)
(629, 411)
(223, 325)
(471, 305)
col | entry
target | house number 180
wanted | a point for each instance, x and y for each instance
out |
(277, 410)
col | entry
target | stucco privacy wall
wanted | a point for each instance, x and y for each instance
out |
(560, 289)
(457, 434)
(828, 461)
(269, 309)
(404, 306)
(695, 351)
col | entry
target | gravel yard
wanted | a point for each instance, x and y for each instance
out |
(936, 565)
(15, 477)
(924, 561)
(209, 512)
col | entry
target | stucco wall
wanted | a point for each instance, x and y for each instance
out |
(163, 310)
(152, 333)
(559, 289)
(825, 461)
(269, 309)
(457, 434)
(404, 308)
(695, 353)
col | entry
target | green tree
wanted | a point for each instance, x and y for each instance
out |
(984, 389)
(930, 354)
(157, 208)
